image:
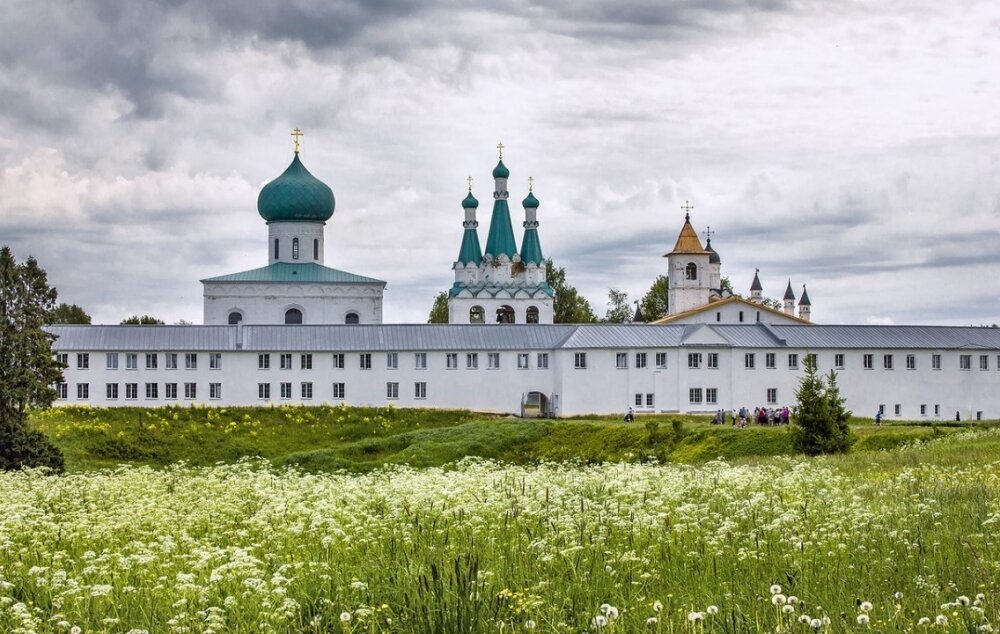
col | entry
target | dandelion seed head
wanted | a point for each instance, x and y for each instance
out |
(712, 609)
(941, 619)
(694, 617)
(779, 599)
(866, 606)
(345, 617)
(787, 609)
(963, 600)
(599, 621)
(863, 619)
(924, 620)
(651, 620)
(775, 589)
(816, 624)
(657, 606)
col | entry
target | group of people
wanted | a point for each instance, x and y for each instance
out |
(760, 415)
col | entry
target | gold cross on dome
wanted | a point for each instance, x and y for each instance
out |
(500, 147)
(687, 207)
(296, 135)
(469, 179)
(531, 184)
(708, 233)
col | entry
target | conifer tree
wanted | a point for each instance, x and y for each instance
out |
(820, 423)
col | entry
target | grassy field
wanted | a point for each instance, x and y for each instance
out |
(901, 540)
(362, 439)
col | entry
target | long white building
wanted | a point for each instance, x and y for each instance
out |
(909, 372)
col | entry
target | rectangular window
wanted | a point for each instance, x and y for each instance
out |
(543, 360)
(170, 360)
(770, 360)
(338, 391)
(150, 360)
(131, 361)
(881, 409)
(62, 359)
(338, 360)
(392, 360)
(111, 391)
(365, 359)
(522, 360)
(868, 361)
(190, 391)
(621, 360)
(813, 359)
(793, 361)
(937, 410)
(898, 409)
(887, 361)
(493, 360)
(741, 316)
(191, 361)
(392, 390)
(712, 361)
(638, 400)
(923, 409)
(131, 391)
(694, 395)
(451, 360)
(215, 390)
(263, 361)
(285, 360)
(640, 360)
(306, 361)
(649, 401)
(965, 362)
(984, 362)
(62, 390)
(83, 391)
(420, 360)
(306, 389)
(838, 360)
(215, 361)
(83, 363)
(111, 360)
(935, 362)
(420, 390)
(580, 360)
(749, 361)
(152, 390)
(694, 360)
(911, 362)
(772, 396)
(661, 359)
(170, 391)
(472, 360)
(286, 390)
(264, 391)
(712, 395)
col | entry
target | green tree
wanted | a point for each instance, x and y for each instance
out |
(654, 303)
(820, 422)
(569, 307)
(28, 369)
(726, 284)
(145, 320)
(439, 310)
(69, 314)
(619, 312)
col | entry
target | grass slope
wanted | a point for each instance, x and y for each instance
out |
(361, 439)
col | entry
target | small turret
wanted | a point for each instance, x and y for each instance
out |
(805, 306)
(788, 303)
(470, 253)
(531, 247)
(756, 290)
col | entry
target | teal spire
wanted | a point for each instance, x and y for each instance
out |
(501, 237)
(296, 196)
(471, 252)
(531, 247)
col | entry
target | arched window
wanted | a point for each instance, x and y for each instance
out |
(235, 317)
(316, 249)
(477, 315)
(532, 315)
(505, 315)
(295, 248)
(293, 316)
(352, 318)
(691, 271)
(276, 252)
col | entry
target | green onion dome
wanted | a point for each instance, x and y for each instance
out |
(501, 171)
(296, 196)
(470, 202)
(530, 202)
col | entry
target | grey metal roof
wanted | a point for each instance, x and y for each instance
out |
(295, 273)
(514, 337)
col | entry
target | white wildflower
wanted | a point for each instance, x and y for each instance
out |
(345, 617)
(941, 619)
(778, 599)
(712, 609)
(775, 589)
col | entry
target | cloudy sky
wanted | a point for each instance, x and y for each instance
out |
(850, 146)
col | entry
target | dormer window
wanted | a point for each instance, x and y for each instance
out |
(295, 248)
(691, 271)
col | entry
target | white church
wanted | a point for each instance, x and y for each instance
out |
(298, 332)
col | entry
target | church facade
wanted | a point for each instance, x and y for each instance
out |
(298, 332)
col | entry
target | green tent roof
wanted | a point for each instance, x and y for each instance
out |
(470, 251)
(306, 273)
(501, 238)
(531, 248)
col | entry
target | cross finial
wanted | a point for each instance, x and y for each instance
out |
(500, 148)
(296, 135)
(469, 179)
(708, 233)
(531, 184)
(687, 207)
